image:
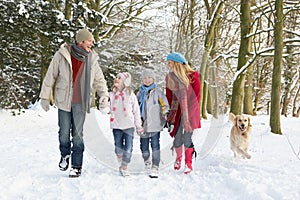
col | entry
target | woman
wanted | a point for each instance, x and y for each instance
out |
(183, 94)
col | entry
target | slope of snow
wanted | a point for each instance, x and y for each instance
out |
(30, 155)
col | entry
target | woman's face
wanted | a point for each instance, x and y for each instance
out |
(147, 81)
(170, 64)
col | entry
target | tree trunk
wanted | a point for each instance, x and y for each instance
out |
(238, 84)
(288, 77)
(295, 102)
(68, 9)
(237, 95)
(248, 107)
(205, 99)
(202, 78)
(261, 82)
(276, 76)
(207, 47)
(191, 47)
(298, 112)
(248, 99)
(290, 70)
(209, 106)
(213, 92)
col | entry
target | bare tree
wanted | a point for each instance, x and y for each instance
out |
(276, 76)
(248, 99)
(290, 71)
(213, 15)
(296, 106)
(238, 84)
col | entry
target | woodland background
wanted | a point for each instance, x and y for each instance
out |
(247, 52)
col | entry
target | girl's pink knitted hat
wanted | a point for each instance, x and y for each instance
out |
(126, 78)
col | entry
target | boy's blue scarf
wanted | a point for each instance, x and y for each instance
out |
(143, 94)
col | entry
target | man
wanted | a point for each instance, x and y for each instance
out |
(74, 71)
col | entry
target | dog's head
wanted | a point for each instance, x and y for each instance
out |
(242, 122)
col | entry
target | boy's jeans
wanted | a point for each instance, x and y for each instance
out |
(124, 143)
(152, 138)
(71, 123)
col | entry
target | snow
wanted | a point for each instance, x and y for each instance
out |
(30, 155)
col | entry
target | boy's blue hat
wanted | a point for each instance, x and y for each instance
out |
(177, 57)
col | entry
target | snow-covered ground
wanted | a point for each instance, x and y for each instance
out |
(30, 155)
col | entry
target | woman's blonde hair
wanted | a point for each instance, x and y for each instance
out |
(182, 71)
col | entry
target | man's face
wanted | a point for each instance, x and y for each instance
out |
(86, 45)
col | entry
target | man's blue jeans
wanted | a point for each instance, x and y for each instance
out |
(152, 138)
(71, 124)
(124, 143)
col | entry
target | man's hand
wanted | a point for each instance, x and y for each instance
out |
(45, 104)
(103, 102)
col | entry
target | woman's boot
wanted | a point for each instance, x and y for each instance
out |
(188, 160)
(177, 163)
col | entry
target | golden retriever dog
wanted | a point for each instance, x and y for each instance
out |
(240, 135)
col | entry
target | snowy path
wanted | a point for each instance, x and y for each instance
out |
(30, 157)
